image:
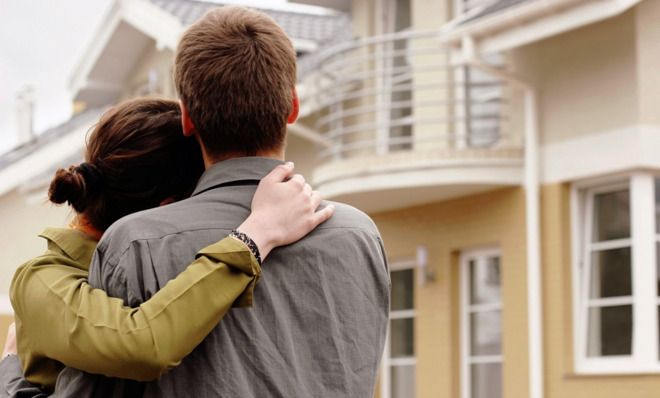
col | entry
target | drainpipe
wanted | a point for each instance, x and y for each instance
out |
(532, 211)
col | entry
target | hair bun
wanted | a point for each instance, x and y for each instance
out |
(68, 186)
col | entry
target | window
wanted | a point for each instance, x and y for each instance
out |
(617, 235)
(481, 329)
(398, 371)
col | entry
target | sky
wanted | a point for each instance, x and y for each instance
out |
(41, 41)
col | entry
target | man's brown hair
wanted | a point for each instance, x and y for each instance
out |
(235, 71)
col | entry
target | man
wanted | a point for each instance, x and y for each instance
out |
(320, 312)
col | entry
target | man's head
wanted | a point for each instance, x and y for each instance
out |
(235, 71)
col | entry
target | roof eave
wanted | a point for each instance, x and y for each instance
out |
(78, 78)
(144, 16)
(531, 22)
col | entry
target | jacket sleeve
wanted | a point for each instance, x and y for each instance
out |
(84, 328)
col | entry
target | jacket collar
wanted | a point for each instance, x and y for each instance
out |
(75, 244)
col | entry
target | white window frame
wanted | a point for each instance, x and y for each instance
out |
(643, 238)
(466, 360)
(388, 362)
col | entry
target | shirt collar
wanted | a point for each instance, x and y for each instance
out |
(250, 168)
(75, 244)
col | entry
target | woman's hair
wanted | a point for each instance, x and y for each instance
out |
(136, 158)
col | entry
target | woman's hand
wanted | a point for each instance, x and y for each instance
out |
(284, 209)
(10, 343)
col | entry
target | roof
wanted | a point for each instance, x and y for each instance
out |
(132, 26)
(494, 8)
(317, 28)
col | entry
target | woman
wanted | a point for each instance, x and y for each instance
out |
(137, 158)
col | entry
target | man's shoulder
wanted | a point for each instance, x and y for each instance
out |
(143, 226)
(349, 217)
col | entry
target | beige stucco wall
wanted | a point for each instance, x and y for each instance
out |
(586, 78)
(647, 30)
(22, 220)
(495, 218)
(303, 153)
(561, 380)
(154, 59)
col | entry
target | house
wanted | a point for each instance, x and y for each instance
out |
(131, 54)
(509, 152)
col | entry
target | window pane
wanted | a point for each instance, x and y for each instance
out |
(611, 274)
(610, 331)
(401, 338)
(402, 289)
(657, 205)
(485, 285)
(403, 381)
(657, 266)
(486, 380)
(486, 333)
(611, 216)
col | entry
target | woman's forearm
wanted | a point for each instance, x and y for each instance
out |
(67, 320)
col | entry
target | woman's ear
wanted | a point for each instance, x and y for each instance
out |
(186, 122)
(295, 108)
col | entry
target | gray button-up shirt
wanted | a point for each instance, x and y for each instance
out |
(320, 314)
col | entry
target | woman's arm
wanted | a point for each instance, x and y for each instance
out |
(82, 327)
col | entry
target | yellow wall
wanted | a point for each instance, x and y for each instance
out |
(495, 218)
(5, 321)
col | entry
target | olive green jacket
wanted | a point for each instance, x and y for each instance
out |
(62, 321)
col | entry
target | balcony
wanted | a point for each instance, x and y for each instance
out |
(403, 126)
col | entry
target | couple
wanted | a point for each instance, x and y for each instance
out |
(319, 308)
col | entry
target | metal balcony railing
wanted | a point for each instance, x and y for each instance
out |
(399, 92)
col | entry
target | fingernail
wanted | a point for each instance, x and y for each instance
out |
(289, 164)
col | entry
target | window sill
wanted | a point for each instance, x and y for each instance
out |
(612, 372)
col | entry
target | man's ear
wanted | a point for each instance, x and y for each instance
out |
(186, 122)
(295, 108)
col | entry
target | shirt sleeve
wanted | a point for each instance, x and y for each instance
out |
(12, 382)
(84, 328)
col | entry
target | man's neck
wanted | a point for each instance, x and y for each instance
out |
(211, 160)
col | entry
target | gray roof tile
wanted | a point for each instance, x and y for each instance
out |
(325, 30)
(318, 28)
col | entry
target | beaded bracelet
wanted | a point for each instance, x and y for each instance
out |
(248, 242)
